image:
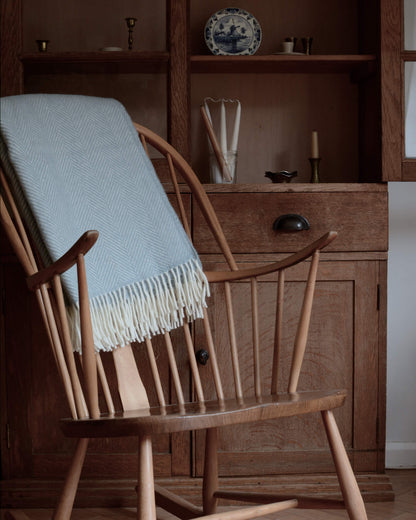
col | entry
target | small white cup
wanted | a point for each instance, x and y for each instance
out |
(287, 47)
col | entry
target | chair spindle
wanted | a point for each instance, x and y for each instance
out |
(303, 326)
(144, 143)
(67, 346)
(41, 304)
(256, 337)
(192, 362)
(174, 370)
(233, 342)
(88, 351)
(155, 373)
(58, 351)
(179, 200)
(213, 357)
(15, 240)
(104, 383)
(19, 223)
(278, 331)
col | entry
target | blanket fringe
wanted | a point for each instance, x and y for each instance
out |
(144, 309)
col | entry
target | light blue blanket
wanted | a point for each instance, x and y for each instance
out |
(76, 163)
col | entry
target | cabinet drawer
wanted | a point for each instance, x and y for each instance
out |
(360, 218)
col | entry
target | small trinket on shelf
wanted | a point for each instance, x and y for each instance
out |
(282, 176)
(222, 160)
(292, 39)
(315, 169)
(131, 22)
(307, 45)
(314, 159)
(287, 47)
(42, 45)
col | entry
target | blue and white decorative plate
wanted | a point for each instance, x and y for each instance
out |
(232, 31)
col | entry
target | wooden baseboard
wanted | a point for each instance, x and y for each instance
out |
(31, 493)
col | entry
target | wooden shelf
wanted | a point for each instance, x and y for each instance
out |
(133, 61)
(95, 61)
(363, 64)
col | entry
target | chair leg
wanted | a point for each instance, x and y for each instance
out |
(352, 496)
(146, 505)
(66, 501)
(210, 484)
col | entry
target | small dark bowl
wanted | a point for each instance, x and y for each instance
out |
(282, 176)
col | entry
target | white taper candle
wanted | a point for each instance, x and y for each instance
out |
(314, 145)
(223, 129)
(236, 131)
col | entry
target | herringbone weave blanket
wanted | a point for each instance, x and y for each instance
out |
(76, 163)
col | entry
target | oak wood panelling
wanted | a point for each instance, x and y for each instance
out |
(11, 42)
(344, 310)
(279, 112)
(277, 21)
(281, 119)
(90, 26)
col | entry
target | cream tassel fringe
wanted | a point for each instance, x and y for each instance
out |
(144, 309)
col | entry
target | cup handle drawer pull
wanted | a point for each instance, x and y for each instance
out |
(291, 222)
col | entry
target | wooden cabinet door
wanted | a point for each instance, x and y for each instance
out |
(343, 352)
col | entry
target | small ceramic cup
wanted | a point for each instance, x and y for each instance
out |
(292, 39)
(287, 47)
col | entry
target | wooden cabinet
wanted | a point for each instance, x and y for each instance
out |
(349, 309)
(335, 90)
(162, 82)
(350, 88)
(150, 80)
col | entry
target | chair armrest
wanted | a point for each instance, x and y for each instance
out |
(81, 247)
(230, 276)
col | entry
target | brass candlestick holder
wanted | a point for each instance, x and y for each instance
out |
(314, 168)
(307, 45)
(131, 22)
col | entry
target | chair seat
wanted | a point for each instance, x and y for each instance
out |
(195, 416)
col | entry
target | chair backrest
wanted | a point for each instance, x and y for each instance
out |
(156, 372)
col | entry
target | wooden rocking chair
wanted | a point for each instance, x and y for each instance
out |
(93, 412)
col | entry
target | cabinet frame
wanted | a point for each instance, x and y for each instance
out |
(179, 64)
(395, 165)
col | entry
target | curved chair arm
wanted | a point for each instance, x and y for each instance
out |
(229, 276)
(81, 247)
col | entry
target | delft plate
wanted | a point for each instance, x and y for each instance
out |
(232, 31)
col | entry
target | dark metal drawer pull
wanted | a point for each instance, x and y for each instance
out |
(202, 356)
(291, 222)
